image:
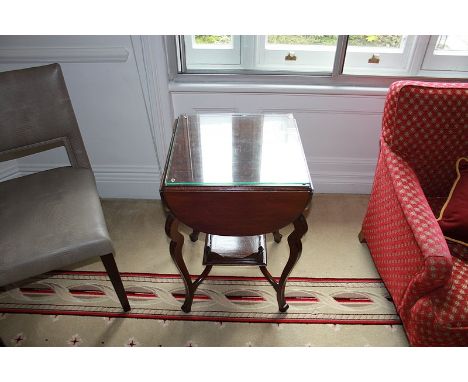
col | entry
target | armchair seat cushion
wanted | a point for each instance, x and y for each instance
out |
(49, 220)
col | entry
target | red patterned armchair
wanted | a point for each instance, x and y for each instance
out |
(424, 132)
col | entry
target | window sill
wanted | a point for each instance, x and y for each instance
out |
(231, 87)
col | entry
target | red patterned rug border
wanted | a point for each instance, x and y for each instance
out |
(201, 318)
(212, 277)
(114, 312)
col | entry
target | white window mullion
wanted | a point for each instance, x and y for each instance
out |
(248, 52)
(417, 55)
(340, 55)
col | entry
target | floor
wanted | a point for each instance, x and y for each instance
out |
(330, 249)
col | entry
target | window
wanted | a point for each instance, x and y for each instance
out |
(326, 55)
(212, 52)
(378, 54)
(447, 53)
(314, 53)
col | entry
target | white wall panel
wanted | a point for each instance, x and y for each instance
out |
(103, 82)
(340, 133)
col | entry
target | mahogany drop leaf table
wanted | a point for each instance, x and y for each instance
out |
(236, 177)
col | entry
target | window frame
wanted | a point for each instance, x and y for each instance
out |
(287, 81)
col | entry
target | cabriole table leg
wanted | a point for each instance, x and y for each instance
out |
(175, 248)
(295, 250)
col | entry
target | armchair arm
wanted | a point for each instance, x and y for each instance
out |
(404, 237)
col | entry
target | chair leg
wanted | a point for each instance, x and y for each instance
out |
(114, 275)
(361, 237)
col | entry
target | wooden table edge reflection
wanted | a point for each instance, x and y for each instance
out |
(242, 211)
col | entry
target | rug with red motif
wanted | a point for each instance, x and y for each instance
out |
(219, 298)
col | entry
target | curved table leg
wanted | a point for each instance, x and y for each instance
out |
(277, 236)
(175, 248)
(295, 249)
(194, 235)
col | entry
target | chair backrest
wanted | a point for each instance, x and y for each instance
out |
(36, 115)
(427, 124)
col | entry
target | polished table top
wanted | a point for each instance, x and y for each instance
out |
(236, 150)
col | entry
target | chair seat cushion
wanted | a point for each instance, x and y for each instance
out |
(49, 220)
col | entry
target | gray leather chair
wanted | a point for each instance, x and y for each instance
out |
(53, 218)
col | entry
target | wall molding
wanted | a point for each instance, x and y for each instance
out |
(328, 174)
(154, 83)
(215, 110)
(62, 55)
(321, 111)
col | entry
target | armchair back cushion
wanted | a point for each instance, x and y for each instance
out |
(427, 125)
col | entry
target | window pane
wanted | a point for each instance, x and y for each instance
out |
(303, 53)
(383, 41)
(378, 54)
(212, 41)
(329, 40)
(447, 54)
(207, 52)
(452, 44)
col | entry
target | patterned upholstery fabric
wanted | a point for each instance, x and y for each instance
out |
(436, 204)
(441, 319)
(425, 130)
(427, 124)
(456, 249)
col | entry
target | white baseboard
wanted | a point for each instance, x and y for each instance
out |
(342, 175)
(328, 174)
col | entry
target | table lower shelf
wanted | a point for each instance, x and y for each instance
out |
(235, 250)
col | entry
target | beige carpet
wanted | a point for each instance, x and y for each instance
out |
(330, 249)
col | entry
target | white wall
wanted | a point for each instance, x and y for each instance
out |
(340, 133)
(105, 90)
(110, 77)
